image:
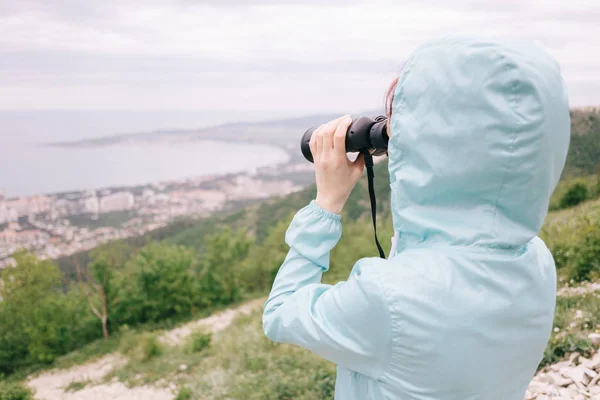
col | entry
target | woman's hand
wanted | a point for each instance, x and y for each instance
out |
(336, 175)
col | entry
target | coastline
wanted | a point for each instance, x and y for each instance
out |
(61, 224)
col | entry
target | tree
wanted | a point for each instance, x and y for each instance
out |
(221, 258)
(258, 270)
(159, 282)
(30, 312)
(98, 279)
(597, 171)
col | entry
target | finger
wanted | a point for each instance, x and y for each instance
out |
(320, 134)
(339, 137)
(328, 132)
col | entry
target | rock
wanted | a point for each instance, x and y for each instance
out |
(183, 367)
(115, 379)
(542, 388)
(558, 366)
(594, 390)
(594, 363)
(578, 375)
(559, 380)
(578, 314)
(583, 360)
(595, 339)
(543, 377)
(594, 380)
(574, 358)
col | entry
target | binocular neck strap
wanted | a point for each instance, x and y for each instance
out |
(370, 175)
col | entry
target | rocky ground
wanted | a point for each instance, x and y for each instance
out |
(577, 378)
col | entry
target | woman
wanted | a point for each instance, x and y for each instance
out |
(463, 307)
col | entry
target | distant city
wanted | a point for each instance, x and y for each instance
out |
(57, 225)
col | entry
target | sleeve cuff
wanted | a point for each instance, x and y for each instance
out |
(314, 208)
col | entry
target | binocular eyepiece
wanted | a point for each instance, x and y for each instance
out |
(364, 135)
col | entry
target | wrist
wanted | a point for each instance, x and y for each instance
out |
(329, 205)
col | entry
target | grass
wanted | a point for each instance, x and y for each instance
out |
(198, 341)
(88, 352)
(143, 346)
(75, 386)
(240, 363)
(184, 394)
(569, 234)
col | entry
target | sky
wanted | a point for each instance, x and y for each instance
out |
(297, 56)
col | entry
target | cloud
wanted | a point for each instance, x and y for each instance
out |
(68, 53)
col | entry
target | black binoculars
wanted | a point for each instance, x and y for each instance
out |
(364, 134)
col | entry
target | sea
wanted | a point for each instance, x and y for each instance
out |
(27, 167)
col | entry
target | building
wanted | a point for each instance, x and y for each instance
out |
(91, 204)
(118, 201)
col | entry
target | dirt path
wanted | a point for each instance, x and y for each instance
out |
(51, 385)
(212, 324)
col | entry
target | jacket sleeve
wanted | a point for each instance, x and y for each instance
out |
(348, 323)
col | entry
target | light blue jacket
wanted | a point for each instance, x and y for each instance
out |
(463, 308)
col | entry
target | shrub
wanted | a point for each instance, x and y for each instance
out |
(585, 263)
(150, 347)
(14, 391)
(158, 283)
(198, 341)
(184, 393)
(576, 194)
(562, 253)
(75, 386)
(559, 347)
(141, 347)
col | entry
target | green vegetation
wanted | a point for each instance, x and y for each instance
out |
(76, 386)
(575, 317)
(577, 193)
(584, 150)
(14, 391)
(184, 394)
(571, 192)
(198, 341)
(142, 346)
(573, 236)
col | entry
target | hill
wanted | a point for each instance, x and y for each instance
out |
(258, 219)
(584, 151)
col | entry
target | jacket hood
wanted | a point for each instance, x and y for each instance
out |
(479, 137)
